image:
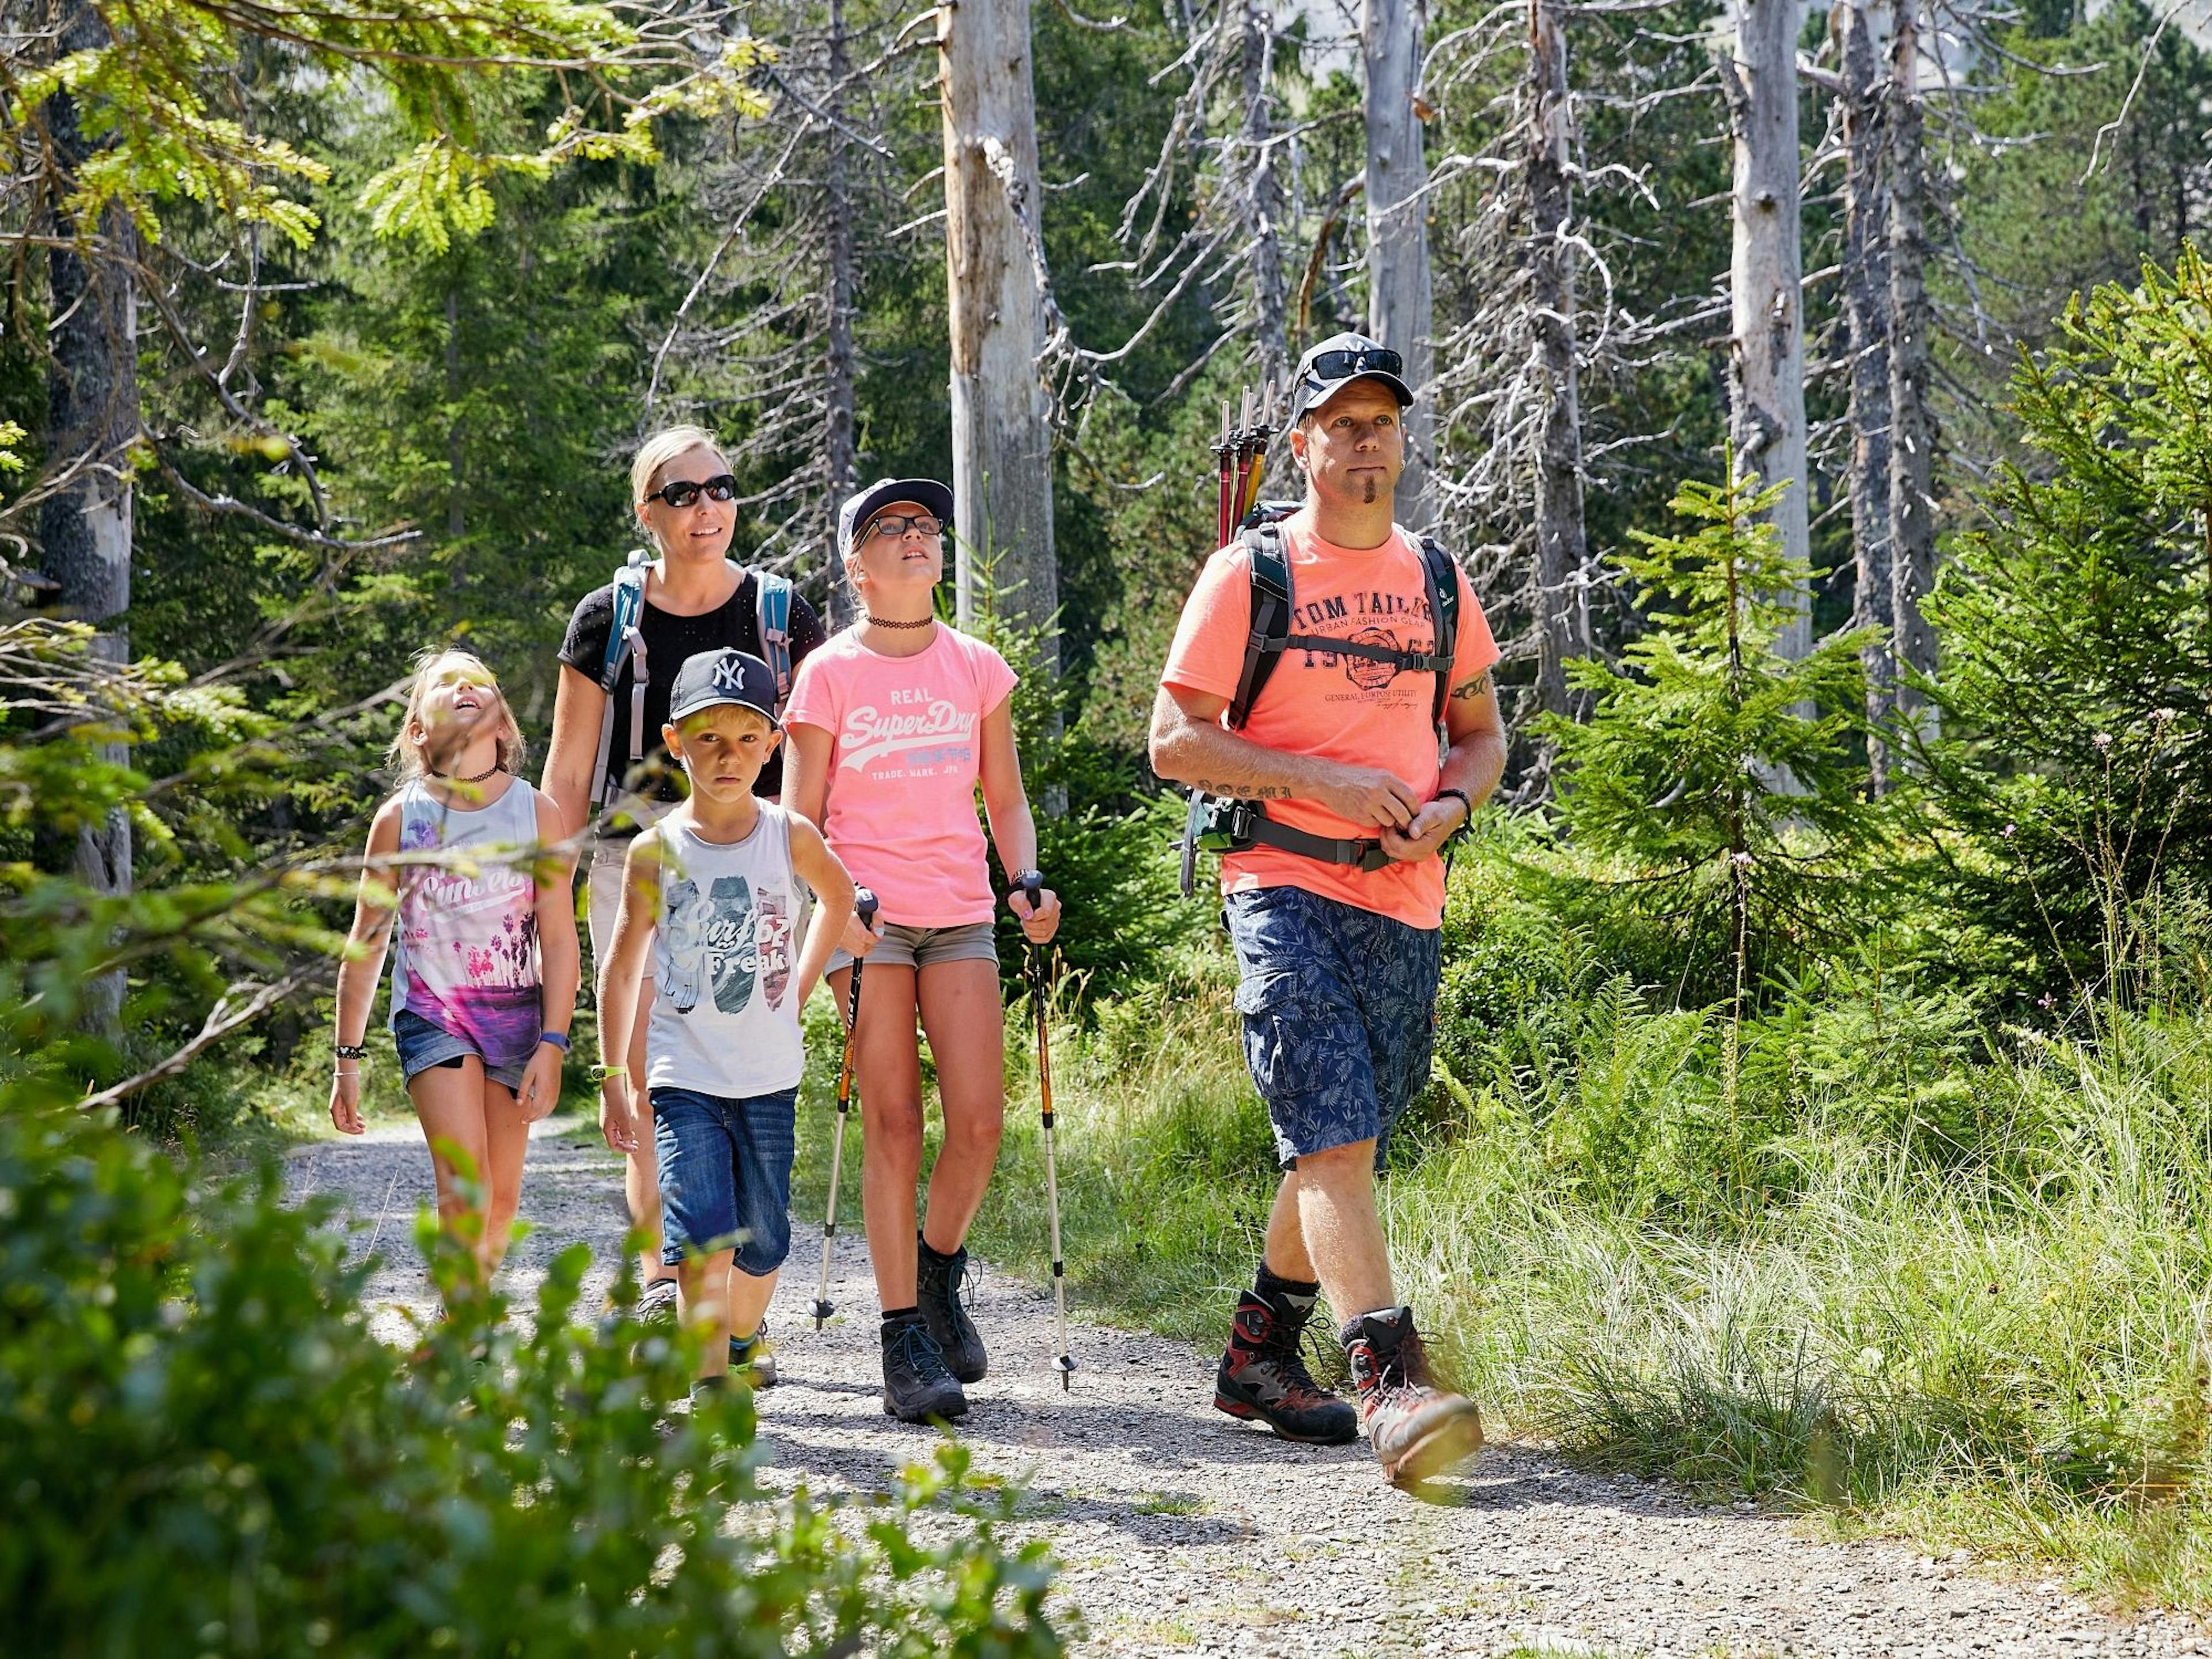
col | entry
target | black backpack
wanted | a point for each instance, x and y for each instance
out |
(1220, 823)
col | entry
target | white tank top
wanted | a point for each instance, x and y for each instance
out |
(725, 1016)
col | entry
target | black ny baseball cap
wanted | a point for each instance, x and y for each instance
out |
(1335, 364)
(714, 678)
(863, 505)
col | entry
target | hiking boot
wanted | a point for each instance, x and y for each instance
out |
(918, 1385)
(1418, 1430)
(656, 1303)
(752, 1360)
(938, 1282)
(1263, 1375)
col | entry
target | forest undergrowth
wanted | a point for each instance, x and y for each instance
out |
(1923, 1274)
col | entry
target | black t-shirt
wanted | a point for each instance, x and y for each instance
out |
(669, 640)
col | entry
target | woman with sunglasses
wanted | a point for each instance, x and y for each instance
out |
(893, 725)
(695, 600)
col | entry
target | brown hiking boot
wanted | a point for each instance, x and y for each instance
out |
(1417, 1430)
(1263, 1376)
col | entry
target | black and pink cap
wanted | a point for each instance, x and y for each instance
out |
(864, 504)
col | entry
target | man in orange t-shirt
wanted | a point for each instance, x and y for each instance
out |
(1341, 961)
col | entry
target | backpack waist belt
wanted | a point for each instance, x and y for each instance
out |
(1245, 824)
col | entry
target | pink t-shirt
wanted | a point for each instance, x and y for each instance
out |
(906, 750)
(1342, 708)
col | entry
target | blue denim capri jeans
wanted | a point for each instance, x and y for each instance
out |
(725, 1176)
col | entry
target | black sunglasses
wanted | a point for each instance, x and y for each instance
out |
(896, 524)
(1364, 360)
(684, 492)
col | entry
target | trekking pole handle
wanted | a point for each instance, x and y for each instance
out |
(1033, 885)
(864, 903)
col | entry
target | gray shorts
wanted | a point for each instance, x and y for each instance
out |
(924, 947)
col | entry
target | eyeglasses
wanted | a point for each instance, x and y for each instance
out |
(684, 491)
(1366, 360)
(897, 523)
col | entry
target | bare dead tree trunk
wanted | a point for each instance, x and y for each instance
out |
(1562, 546)
(1767, 345)
(1912, 525)
(1860, 27)
(839, 419)
(456, 522)
(1001, 415)
(1398, 293)
(1264, 199)
(92, 414)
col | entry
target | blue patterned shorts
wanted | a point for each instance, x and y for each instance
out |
(1339, 1016)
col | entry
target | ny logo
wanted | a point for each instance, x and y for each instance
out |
(730, 675)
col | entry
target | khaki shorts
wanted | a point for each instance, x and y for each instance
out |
(925, 947)
(603, 892)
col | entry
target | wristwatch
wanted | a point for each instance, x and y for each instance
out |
(601, 1073)
(1459, 795)
(558, 1039)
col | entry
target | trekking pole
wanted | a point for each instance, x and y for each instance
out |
(1034, 886)
(864, 903)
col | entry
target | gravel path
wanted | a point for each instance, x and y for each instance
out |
(1181, 1532)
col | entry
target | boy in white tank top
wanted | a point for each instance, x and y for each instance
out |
(715, 891)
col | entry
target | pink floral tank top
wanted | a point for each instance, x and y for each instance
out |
(465, 941)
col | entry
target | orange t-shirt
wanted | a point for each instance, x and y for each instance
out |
(1339, 708)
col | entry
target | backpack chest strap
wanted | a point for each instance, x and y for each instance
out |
(1406, 662)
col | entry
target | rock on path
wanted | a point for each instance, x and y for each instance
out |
(1181, 1532)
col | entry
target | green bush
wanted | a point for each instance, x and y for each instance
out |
(202, 1448)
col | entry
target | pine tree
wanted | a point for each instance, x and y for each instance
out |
(2076, 624)
(1702, 777)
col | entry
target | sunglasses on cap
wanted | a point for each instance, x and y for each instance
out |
(1363, 360)
(896, 524)
(684, 492)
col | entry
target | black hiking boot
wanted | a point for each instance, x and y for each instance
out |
(938, 1279)
(1263, 1375)
(1418, 1430)
(917, 1385)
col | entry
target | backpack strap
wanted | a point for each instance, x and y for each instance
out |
(625, 645)
(1442, 572)
(772, 613)
(1270, 616)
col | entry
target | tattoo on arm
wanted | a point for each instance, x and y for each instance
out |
(1242, 791)
(1474, 687)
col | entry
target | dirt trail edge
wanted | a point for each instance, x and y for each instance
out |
(1182, 1532)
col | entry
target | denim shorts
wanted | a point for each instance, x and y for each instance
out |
(422, 1045)
(901, 946)
(1339, 1016)
(726, 1174)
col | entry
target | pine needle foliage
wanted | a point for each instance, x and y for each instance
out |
(1722, 779)
(2076, 629)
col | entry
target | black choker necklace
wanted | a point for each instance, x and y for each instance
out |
(448, 777)
(878, 621)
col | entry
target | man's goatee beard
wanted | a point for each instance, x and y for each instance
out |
(1370, 492)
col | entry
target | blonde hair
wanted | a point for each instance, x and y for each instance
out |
(662, 447)
(410, 754)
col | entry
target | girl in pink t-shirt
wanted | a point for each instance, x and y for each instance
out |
(893, 724)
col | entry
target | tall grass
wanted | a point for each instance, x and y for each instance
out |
(1930, 1280)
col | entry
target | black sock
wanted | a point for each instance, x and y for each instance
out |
(900, 1316)
(1293, 1295)
(933, 1252)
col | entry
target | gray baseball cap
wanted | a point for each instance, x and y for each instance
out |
(727, 676)
(1334, 363)
(862, 506)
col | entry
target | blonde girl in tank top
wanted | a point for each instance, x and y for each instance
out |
(468, 883)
